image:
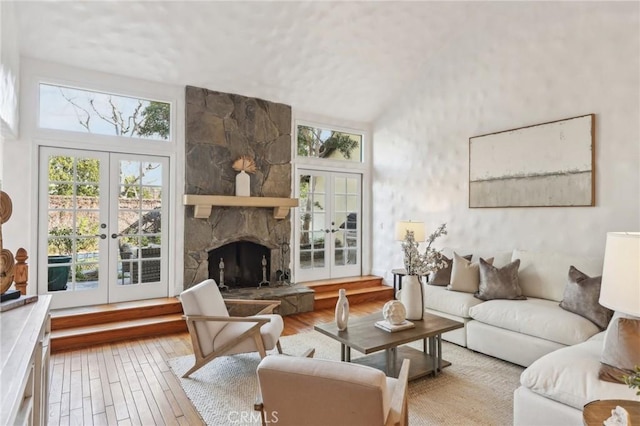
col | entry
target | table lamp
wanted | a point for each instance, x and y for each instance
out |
(620, 289)
(417, 227)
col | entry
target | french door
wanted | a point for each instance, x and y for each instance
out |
(328, 231)
(102, 221)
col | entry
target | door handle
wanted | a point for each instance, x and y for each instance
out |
(114, 236)
(103, 236)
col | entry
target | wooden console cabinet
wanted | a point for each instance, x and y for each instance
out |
(24, 364)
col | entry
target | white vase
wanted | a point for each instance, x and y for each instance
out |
(342, 310)
(412, 297)
(243, 184)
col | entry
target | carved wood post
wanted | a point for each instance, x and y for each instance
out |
(21, 274)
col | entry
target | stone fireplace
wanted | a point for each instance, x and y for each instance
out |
(221, 127)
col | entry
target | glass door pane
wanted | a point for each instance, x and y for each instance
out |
(139, 250)
(312, 226)
(346, 225)
(74, 245)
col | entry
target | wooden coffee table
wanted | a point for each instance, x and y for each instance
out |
(382, 348)
(596, 412)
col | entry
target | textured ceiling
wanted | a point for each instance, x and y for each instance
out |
(347, 60)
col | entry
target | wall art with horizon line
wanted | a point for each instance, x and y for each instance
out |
(544, 165)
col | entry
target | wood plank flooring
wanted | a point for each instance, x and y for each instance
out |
(130, 383)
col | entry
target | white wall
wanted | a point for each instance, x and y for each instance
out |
(9, 71)
(535, 63)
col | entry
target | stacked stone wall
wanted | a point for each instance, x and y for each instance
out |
(220, 127)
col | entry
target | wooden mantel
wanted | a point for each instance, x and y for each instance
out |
(204, 203)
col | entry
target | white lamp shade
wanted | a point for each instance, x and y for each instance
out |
(404, 226)
(620, 288)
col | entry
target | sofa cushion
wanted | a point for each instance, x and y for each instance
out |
(535, 317)
(442, 276)
(570, 376)
(621, 351)
(581, 295)
(450, 302)
(543, 275)
(465, 275)
(499, 283)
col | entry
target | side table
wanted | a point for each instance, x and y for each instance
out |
(596, 412)
(397, 279)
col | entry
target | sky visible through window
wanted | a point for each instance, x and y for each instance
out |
(77, 110)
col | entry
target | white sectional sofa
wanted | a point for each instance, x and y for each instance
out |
(561, 349)
(518, 331)
(555, 387)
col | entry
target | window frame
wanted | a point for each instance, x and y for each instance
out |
(330, 163)
(127, 95)
(364, 168)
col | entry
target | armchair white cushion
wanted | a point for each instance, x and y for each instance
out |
(214, 333)
(306, 391)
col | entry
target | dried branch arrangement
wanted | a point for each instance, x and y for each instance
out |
(244, 164)
(422, 264)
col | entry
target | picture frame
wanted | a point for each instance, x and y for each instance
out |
(543, 165)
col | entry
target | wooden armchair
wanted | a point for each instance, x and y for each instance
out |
(318, 392)
(215, 333)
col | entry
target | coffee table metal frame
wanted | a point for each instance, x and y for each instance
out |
(383, 349)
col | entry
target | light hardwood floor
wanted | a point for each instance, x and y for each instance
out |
(130, 383)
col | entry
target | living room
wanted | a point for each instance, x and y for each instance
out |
(416, 79)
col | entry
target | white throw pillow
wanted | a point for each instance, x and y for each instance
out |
(465, 275)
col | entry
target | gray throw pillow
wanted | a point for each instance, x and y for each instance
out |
(581, 296)
(621, 350)
(442, 276)
(499, 283)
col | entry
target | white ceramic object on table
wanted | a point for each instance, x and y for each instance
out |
(394, 312)
(412, 297)
(342, 310)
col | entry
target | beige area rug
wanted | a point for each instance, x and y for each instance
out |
(475, 390)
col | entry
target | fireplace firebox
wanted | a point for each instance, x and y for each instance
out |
(241, 262)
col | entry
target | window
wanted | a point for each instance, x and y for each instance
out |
(317, 142)
(78, 110)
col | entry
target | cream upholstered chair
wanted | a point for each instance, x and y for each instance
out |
(306, 391)
(215, 333)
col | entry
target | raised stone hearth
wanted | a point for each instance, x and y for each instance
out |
(221, 127)
(294, 299)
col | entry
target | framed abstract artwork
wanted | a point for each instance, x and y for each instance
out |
(544, 165)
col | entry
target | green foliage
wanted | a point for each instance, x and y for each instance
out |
(633, 380)
(60, 245)
(65, 245)
(64, 170)
(156, 118)
(312, 143)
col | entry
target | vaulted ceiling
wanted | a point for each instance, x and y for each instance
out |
(347, 60)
